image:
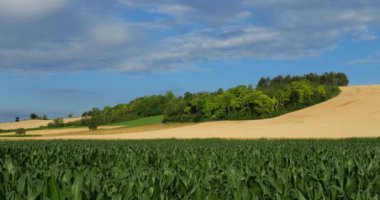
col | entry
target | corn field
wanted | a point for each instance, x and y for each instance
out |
(190, 169)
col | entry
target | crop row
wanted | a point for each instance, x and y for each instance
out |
(192, 169)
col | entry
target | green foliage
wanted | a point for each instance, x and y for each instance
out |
(34, 116)
(91, 122)
(45, 117)
(331, 78)
(190, 169)
(272, 97)
(292, 93)
(20, 131)
(57, 123)
(17, 119)
(141, 107)
(93, 126)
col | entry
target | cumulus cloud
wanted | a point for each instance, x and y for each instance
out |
(168, 35)
(113, 33)
(211, 12)
(26, 9)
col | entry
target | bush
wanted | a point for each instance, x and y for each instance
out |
(93, 127)
(34, 116)
(58, 122)
(92, 123)
(20, 131)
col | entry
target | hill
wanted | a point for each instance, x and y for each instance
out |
(354, 113)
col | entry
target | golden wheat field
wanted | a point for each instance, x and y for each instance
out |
(354, 113)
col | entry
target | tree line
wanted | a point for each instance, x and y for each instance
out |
(270, 97)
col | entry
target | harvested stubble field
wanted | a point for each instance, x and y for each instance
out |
(354, 113)
(208, 169)
(32, 123)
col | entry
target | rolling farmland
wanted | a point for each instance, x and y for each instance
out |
(36, 123)
(183, 100)
(354, 113)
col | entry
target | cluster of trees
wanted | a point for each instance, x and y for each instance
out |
(59, 123)
(141, 107)
(35, 116)
(271, 97)
(91, 122)
(241, 102)
(331, 78)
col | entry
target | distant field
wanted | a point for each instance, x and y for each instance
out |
(190, 169)
(141, 122)
(133, 126)
(352, 114)
(32, 123)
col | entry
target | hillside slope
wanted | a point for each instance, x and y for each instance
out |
(354, 113)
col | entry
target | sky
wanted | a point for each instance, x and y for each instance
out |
(67, 56)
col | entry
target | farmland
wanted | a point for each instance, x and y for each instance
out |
(191, 169)
(145, 121)
(32, 124)
(355, 112)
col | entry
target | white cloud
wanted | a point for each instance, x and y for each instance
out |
(169, 35)
(111, 33)
(25, 9)
(177, 10)
(371, 59)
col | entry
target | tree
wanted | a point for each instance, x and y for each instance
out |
(45, 117)
(20, 131)
(70, 116)
(342, 79)
(263, 83)
(272, 96)
(176, 107)
(263, 105)
(210, 108)
(91, 122)
(34, 116)
(282, 96)
(58, 122)
(17, 119)
(301, 92)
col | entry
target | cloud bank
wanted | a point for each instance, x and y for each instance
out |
(168, 35)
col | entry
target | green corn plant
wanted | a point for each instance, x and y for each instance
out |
(190, 169)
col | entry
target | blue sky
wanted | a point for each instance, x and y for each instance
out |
(67, 56)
